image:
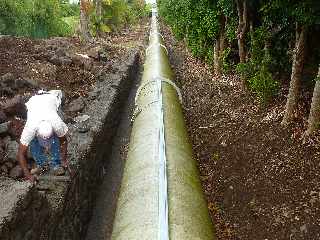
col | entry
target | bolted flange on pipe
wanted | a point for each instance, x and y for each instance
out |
(161, 196)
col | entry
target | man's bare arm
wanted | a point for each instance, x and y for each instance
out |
(21, 156)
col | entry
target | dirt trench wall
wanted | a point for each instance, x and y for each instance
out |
(60, 209)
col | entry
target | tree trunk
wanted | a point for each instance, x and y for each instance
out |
(241, 32)
(314, 116)
(242, 28)
(297, 67)
(84, 20)
(219, 47)
(222, 42)
(98, 7)
(216, 56)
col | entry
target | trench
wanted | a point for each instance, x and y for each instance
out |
(60, 208)
(101, 223)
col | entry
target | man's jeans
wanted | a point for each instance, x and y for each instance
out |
(39, 155)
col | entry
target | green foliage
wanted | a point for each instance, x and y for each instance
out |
(117, 14)
(226, 64)
(196, 21)
(33, 18)
(270, 42)
(263, 84)
(72, 22)
(69, 10)
(257, 69)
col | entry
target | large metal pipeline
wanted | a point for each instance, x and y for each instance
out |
(161, 196)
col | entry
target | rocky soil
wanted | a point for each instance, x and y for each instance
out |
(27, 66)
(261, 181)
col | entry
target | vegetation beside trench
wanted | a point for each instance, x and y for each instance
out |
(50, 18)
(261, 181)
(270, 44)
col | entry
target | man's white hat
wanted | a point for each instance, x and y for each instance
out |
(45, 130)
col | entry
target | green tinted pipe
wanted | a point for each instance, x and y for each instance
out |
(140, 209)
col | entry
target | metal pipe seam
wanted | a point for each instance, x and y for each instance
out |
(151, 46)
(153, 33)
(162, 79)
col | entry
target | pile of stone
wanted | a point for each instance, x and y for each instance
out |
(12, 113)
(9, 84)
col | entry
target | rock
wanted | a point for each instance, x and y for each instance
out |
(22, 83)
(76, 105)
(7, 78)
(6, 91)
(101, 76)
(2, 153)
(15, 128)
(16, 172)
(31, 83)
(12, 149)
(7, 84)
(81, 118)
(38, 48)
(9, 165)
(92, 96)
(61, 52)
(4, 127)
(83, 127)
(304, 229)
(82, 61)
(4, 169)
(56, 60)
(2, 144)
(103, 56)
(14, 107)
(3, 117)
(95, 53)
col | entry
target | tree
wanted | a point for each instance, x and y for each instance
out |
(297, 67)
(305, 14)
(314, 116)
(84, 20)
(219, 46)
(242, 9)
(98, 16)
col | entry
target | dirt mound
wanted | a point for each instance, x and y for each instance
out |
(261, 181)
(27, 66)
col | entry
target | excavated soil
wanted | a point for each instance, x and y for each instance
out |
(261, 181)
(35, 60)
(28, 65)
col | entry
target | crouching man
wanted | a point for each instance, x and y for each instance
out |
(45, 134)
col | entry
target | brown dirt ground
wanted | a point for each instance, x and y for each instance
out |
(261, 181)
(29, 59)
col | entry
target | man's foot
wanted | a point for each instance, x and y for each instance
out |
(58, 171)
(35, 171)
(39, 170)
